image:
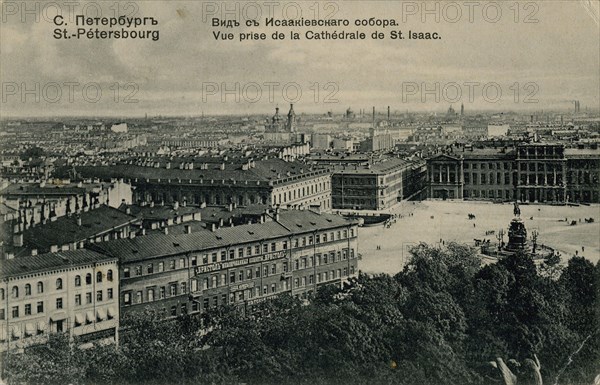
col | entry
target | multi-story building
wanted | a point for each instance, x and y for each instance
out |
(292, 252)
(529, 173)
(272, 182)
(377, 186)
(74, 292)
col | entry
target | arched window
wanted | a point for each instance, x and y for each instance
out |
(109, 275)
(99, 276)
(28, 289)
(88, 279)
(40, 287)
(77, 280)
(15, 292)
(59, 284)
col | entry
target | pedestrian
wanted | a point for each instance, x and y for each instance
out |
(582, 249)
(473, 224)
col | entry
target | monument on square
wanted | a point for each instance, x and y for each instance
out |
(517, 233)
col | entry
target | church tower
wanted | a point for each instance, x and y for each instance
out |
(291, 120)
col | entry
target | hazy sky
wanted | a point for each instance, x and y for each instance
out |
(554, 60)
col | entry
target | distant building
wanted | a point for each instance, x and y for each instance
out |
(545, 173)
(119, 127)
(377, 186)
(73, 292)
(320, 141)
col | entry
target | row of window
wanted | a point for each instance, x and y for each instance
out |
(15, 311)
(299, 193)
(58, 284)
(242, 252)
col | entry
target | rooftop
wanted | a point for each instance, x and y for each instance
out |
(156, 245)
(50, 261)
(66, 230)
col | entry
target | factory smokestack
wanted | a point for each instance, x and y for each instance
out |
(388, 113)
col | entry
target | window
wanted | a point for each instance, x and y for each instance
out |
(194, 285)
(15, 292)
(109, 293)
(231, 254)
(273, 268)
(78, 280)
(150, 268)
(126, 273)
(2, 294)
(285, 245)
(161, 267)
(205, 259)
(241, 275)
(194, 261)
(257, 249)
(59, 303)
(28, 309)
(184, 308)
(213, 257)
(161, 293)
(273, 288)
(15, 312)
(88, 279)
(265, 248)
(127, 298)
(232, 277)
(181, 263)
(138, 297)
(40, 307)
(257, 271)
(265, 271)
(78, 300)
(150, 295)
(2, 315)
(273, 246)
(28, 289)
(59, 284)
(99, 296)
(138, 270)
(183, 287)
(240, 253)
(223, 255)
(249, 250)
(40, 287)
(173, 311)
(172, 264)
(88, 298)
(173, 289)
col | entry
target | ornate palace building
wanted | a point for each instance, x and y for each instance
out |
(291, 252)
(545, 173)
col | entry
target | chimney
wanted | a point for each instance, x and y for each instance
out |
(54, 249)
(188, 229)
(176, 205)
(230, 207)
(131, 234)
(79, 221)
(277, 214)
(18, 240)
(143, 231)
(34, 252)
(128, 211)
(166, 231)
(388, 113)
(220, 222)
(151, 203)
(213, 227)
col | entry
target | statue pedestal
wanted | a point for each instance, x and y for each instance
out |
(517, 236)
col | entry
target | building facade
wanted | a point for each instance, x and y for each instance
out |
(72, 292)
(294, 252)
(544, 173)
(377, 186)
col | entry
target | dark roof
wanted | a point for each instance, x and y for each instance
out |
(50, 261)
(155, 245)
(66, 230)
(158, 212)
(264, 170)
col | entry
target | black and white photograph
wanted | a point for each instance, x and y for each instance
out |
(308, 192)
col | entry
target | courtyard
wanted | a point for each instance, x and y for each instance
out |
(386, 249)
